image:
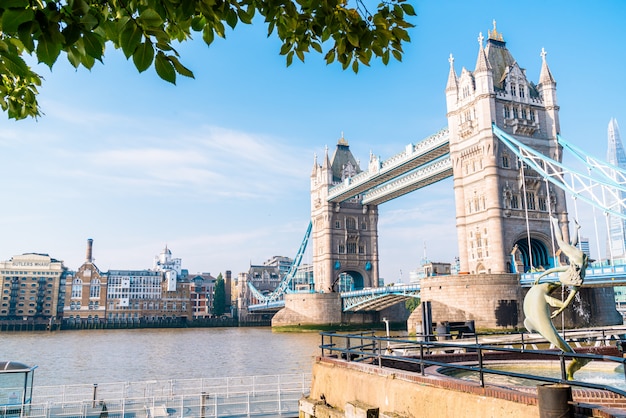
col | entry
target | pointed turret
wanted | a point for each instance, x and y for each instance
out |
(483, 75)
(547, 91)
(315, 165)
(482, 64)
(545, 77)
(453, 81)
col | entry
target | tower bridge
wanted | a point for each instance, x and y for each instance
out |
(503, 149)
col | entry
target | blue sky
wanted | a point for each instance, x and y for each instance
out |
(218, 167)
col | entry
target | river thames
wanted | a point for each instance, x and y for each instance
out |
(102, 356)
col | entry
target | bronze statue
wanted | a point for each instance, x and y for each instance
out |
(538, 301)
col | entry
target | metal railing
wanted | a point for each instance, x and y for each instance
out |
(419, 355)
(249, 396)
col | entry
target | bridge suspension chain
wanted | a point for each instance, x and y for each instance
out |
(586, 187)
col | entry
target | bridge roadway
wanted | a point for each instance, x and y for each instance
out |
(430, 157)
(379, 298)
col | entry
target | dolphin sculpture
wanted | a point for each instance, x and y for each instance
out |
(538, 301)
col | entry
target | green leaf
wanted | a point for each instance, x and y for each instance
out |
(285, 48)
(14, 63)
(93, 45)
(47, 50)
(87, 61)
(231, 18)
(300, 54)
(289, 59)
(164, 68)
(12, 19)
(130, 38)
(316, 47)
(330, 57)
(180, 69)
(71, 33)
(197, 23)
(24, 33)
(17, 4)
(207, 35)
(143, 56)
(355, 66)
(353, 38)
(73, 56)
(397, 55)
(150, 18)
(408, 9)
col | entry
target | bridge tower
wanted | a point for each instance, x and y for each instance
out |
(345, 235)
(502, 208)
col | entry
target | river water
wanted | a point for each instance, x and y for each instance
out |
(103, 356)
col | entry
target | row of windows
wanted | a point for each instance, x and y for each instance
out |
(534, 202)
(520, 112)
(23, 292)
(25, 273)
(350, 248)
(473, 165)
(4, 312)
(149, 306)
(514, 89)
(350, 224)
(74, 305)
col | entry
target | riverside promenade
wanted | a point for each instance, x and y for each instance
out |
(248, 396)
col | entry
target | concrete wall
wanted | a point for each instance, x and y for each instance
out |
(339, 389)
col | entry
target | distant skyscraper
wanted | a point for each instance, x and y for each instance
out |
(616, 247)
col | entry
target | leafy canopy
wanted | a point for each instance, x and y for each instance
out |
(146, 30)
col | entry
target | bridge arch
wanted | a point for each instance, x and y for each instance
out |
(348, 280)
(521, 255)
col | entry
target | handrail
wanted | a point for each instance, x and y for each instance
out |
(391, 348)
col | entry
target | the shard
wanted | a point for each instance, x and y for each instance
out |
(616, 245)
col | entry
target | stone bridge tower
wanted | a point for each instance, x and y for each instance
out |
(502, 208)
(345, 235)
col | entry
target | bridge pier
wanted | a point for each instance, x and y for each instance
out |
(495, 301)
(306, 309)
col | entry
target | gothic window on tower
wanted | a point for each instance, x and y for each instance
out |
(515, 112)
(363, 225)
(350, 223)
(361, 249)
(524, 113)
(507, 112)
(530, 200)
(513, 90)
(542, 203)
(337, 224)
(351, 246)
(521, 90)
(514, 202)
(342, 249)
(532, 115)
(505, 161)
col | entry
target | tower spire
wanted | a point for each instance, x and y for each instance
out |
(482, 63)
(453, 81)
(545, 77)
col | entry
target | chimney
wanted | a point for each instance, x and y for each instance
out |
(89, 249)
